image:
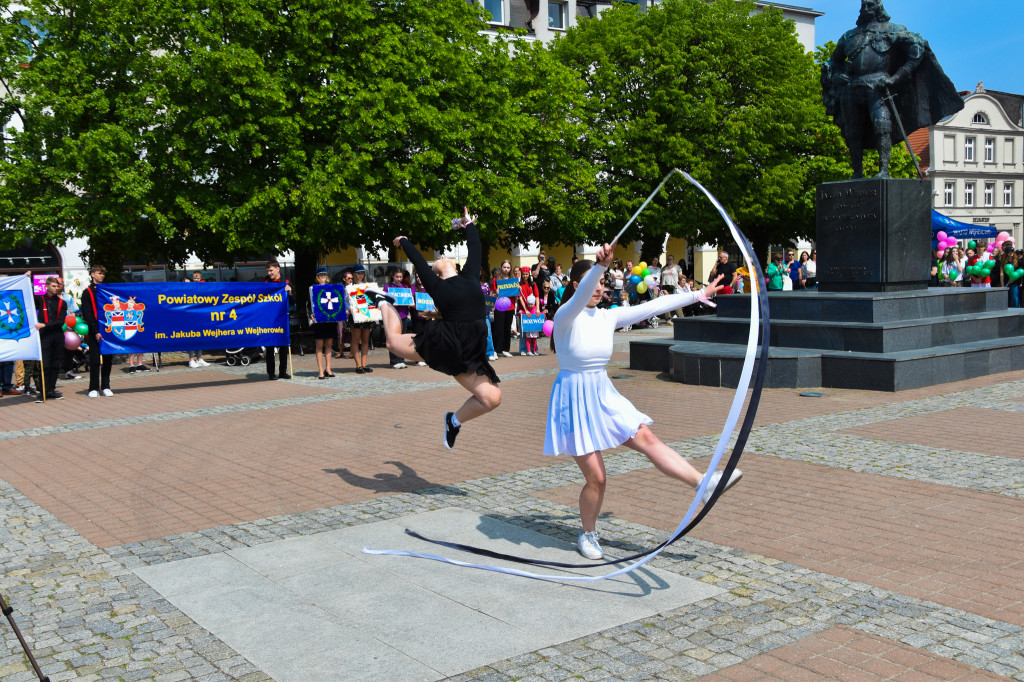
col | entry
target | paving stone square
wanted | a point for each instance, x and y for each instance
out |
(208, 525)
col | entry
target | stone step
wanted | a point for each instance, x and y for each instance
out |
(871, 308)
(883, 337)
(711, 364)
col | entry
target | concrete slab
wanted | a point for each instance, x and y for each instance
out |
(316, 607)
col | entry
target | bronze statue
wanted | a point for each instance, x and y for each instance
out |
(879, 71)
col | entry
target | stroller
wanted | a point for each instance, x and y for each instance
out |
(242, 356)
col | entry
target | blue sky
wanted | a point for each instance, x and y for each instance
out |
(974, 40)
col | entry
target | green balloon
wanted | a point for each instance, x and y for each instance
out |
(81, 329)
(1008, 268)
(971, 244)
(646, 272)
(1017, 274)
(65, 327)
(989, 264)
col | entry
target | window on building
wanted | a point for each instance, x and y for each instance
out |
(990, 150)
(980, 118)
(990, 193)
(969, 194)
(1007, 194)
(496, 10)
(556, 14)
(947, 196)
(969, 149)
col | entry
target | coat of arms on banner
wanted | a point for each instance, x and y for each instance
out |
(328, 302)
(124, 318)
(14, 322)
(360, 308)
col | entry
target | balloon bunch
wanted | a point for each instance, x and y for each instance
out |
(981, 268)
(945, 242)
(74, 332)
(1001, 238)
(643, 280)
(1012, 273)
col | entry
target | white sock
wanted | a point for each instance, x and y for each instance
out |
(455, 421)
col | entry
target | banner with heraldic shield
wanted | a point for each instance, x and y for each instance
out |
(124, 318)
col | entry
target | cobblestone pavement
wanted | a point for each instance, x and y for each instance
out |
(831, 551)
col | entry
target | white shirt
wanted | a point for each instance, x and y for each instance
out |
(584, 336)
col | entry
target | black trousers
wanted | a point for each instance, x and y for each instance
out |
(52, 345)
(282, 355)
(501, 329)
(94, 366)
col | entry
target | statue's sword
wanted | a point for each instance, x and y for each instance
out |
(888, 99)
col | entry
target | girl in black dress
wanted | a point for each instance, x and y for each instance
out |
(323, 332)
(456, 344)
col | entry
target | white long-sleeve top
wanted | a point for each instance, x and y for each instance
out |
(584, 336)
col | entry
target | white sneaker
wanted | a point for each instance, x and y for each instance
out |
(715, 478)
(193, 364)
(108, 393)
(524, 353)
(492, 356)
(399, 365)
(94, 394)
(589, 546)
(506, 353)
(202, 363)
(421, 364)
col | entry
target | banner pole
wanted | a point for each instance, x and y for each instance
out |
(290, 370)
(42, 380)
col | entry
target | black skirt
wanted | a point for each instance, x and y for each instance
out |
(325, 330)
(455, 348)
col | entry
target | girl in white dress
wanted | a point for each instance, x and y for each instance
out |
(586, 414)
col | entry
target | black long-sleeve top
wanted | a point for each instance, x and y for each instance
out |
(458, 298)
(90, 312)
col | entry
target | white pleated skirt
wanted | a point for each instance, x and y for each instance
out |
(587, 414)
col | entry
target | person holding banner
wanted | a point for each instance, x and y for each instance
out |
(51, 311)
(360, 331)
(323, 332)
(99, 380)
(399, 289)
(274, 275)
(502, 325)
(531, 336)
(456, 344)
(586, 414)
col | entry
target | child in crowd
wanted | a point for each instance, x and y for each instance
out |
(531, 337)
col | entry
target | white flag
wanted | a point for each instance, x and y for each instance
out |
(19, 338)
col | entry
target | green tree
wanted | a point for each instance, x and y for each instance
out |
(716, 89)
(238, 127)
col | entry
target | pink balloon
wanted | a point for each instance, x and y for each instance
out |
(941, 236)
(549, 327)
(991, 247)
(72, 340)
(1003, 236)
(939, 253)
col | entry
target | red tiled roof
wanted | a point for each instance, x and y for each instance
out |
(919, 140)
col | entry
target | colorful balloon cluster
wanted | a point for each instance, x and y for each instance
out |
(74, 332)
(945, 242)
(642, 279)
(981, 268)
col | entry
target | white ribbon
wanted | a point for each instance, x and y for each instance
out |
(723, 440)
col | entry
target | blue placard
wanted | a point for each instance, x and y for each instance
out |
(424, 302)
(489, 301)
(533, 323)
(169, 316)
(402, 296)
(508, 287)
(328, 302)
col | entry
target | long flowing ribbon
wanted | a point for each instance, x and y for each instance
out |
(759, 323)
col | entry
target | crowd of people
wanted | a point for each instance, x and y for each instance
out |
(954, 268)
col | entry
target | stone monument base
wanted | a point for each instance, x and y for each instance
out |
(875, 341)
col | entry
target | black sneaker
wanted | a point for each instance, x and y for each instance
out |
(56, 395)
(285, 375)
(272, 377)
(141, 368)
(368, 369)
(451, 431)
(378, 296)
(131, 369)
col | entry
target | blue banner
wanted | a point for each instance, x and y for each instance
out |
(533, 323)
(509, 287)
(328, 302)
(958, 230)
(402, 296)
(159, 317)
(425, 303)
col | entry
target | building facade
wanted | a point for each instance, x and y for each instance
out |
(975, 161)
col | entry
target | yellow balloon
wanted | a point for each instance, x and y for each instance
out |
(641, 288)
(642, 266)
(637, 269)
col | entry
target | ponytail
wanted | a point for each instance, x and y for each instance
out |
(579, 269)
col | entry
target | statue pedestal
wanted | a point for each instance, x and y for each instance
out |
(873, 235)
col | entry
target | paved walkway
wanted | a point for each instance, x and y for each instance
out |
(207, 524)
